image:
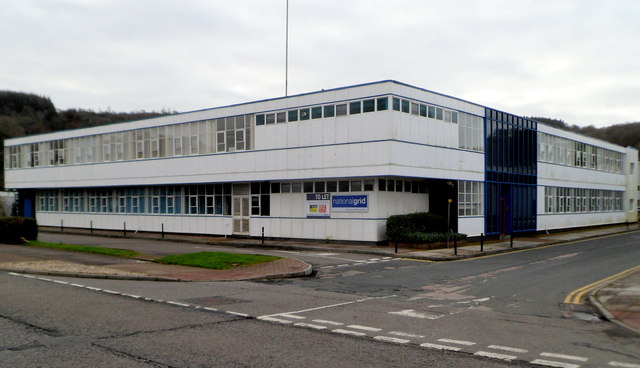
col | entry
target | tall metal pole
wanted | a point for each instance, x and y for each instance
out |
(286, 65)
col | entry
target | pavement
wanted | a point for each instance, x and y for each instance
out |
(617, 299)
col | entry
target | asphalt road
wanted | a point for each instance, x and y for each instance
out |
(357, 311)
(47, 324)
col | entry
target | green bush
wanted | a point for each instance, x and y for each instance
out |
(419, 222)
(425, 238)
(14, 229)
(419, 227)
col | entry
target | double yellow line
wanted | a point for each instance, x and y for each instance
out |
(576, 296)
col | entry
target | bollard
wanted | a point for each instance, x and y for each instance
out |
(263, 235)
(162, 230)
(482, 242)
(91, 226)
(124, 226)
(511, 241)
(61, 225)
(455, 246)
(396, 243)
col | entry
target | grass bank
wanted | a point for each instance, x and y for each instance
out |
(125, 253)
(216, 260)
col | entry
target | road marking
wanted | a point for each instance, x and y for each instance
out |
(575, 297)
(551, 363)
(178, 304)
(334, 305)
(364, 328)
(327, 267)
(77, 285)
(404, 334)
(273, 319)
(495, 355)
(111, 292)
(210, 309)
(237, 314)
(93, 288)
(418, 260)
(414, 314)
(309, 325)
(439, 347)
(563, 356)
(291, 316)
(541, 247)
(457, 342)
(60, 282)
(391, 339)
(347, 332)
(624, 365)
(328, 322)
(506, 348)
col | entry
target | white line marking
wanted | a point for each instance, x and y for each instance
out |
(495, 355)
(60, 282)
(111, 292)
(309, 325)
(93, 288)
(364, 328)
(439, 347)
(132, 296)
(328, 322)
(457, 342)
(387, 257)
(391, 339)
(404, 334)
(551, 363)
(342, 265)
(624, 365)
(506, 348)
(292, 316)
(347, 332)
(272, 319)
(327, 267)
(77, 285)
(562, 356)
(373, 259)
(44, 279)
(178, 304)
(326, 254)
(414, 314)
(237, 314)
(333, 305)
(210, 309)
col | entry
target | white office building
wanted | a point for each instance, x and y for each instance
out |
(332, 164)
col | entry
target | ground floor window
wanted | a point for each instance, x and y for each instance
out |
(470, 198)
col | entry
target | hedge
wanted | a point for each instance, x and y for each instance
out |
(425, 238)
(419, 227)
(419, 222)
(14, 229)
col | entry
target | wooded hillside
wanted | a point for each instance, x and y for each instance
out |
(26, 114)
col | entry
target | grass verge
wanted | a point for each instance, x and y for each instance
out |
(86, 249)
(216, 260)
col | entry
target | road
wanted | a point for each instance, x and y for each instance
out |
(503, 310)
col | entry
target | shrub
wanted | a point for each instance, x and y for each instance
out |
(425, 238)
(419, 222)
(14, 229)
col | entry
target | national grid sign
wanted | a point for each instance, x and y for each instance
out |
(350, 203)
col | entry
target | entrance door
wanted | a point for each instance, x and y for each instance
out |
(506, 218)
(241, 209)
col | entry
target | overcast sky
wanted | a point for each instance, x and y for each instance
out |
(578, 61)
